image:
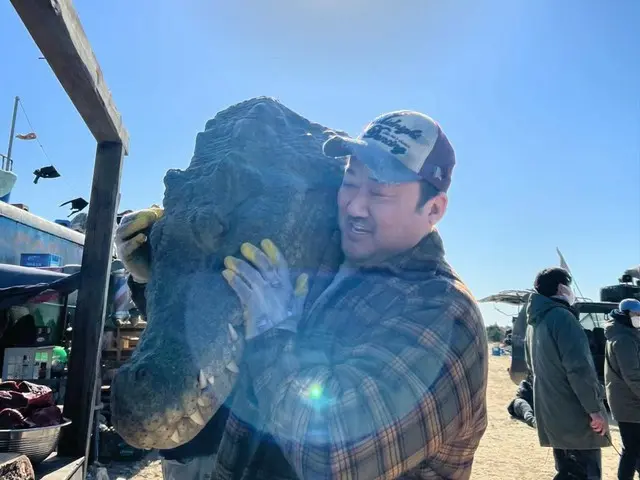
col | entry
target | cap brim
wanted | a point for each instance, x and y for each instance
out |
(384, 167)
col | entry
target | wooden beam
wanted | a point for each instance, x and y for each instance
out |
(56, 29)
(88, 324)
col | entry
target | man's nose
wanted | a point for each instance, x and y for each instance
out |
(358, 205)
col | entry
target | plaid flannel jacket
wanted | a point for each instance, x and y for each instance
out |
(385, 379)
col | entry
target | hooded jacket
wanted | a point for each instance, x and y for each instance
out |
(622, 368)
(566, 389)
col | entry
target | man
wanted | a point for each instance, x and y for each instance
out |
(521, 407)
(622, 378)
(568, 397)
(381, 370)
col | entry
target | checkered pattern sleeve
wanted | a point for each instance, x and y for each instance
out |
(397, 399)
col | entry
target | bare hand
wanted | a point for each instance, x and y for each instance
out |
(599, 424)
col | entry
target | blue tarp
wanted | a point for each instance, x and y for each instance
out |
(19, 284)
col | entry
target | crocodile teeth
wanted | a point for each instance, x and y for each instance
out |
(183, 427)
(202, 380)
(211, 380)
(233, 333)
(197, 418)
(175, 437)
(233, 366)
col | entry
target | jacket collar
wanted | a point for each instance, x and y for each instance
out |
(621, 318)
(566, 304)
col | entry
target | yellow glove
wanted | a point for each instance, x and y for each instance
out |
(267, 296)
(131, 241)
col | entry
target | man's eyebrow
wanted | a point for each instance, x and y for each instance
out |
(381, 188)
(377, 182)
(352, 171)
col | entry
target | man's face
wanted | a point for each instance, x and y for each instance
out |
(379, 220)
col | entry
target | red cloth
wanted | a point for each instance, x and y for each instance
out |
(26, 404)
(24, 394)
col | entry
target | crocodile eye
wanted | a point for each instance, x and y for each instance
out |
(208, 228)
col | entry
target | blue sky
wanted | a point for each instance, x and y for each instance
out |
(540, 99)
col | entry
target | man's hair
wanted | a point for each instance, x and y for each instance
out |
(549, 279)
(427, 192)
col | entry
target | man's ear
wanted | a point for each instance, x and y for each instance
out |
(435, 208)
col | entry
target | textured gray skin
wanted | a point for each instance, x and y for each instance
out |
(257, 172)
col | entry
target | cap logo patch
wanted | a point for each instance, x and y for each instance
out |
(389, 131)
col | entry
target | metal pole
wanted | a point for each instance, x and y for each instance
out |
(13, 131)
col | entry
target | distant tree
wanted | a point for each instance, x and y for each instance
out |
(495, 333)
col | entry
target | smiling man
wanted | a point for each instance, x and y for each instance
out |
(380, 370)
(383, 374)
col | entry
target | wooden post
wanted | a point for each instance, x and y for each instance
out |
(91, 304)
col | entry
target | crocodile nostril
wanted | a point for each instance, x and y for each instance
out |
(140, 373)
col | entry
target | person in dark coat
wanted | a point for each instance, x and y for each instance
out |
(521, 407)
(622, 379)
(568, 397)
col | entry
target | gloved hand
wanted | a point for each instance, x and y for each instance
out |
(131, 241)
(265, 292)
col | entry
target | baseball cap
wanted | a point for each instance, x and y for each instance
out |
(399, 147)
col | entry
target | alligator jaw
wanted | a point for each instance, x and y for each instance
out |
(176, 426)
(185, 417)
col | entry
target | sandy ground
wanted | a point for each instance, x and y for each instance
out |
(509, 449)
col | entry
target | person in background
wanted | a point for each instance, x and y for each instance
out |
(622, 379)
(568, 397)
(521, 407)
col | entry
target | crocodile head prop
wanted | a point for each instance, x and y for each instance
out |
(257, 172)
